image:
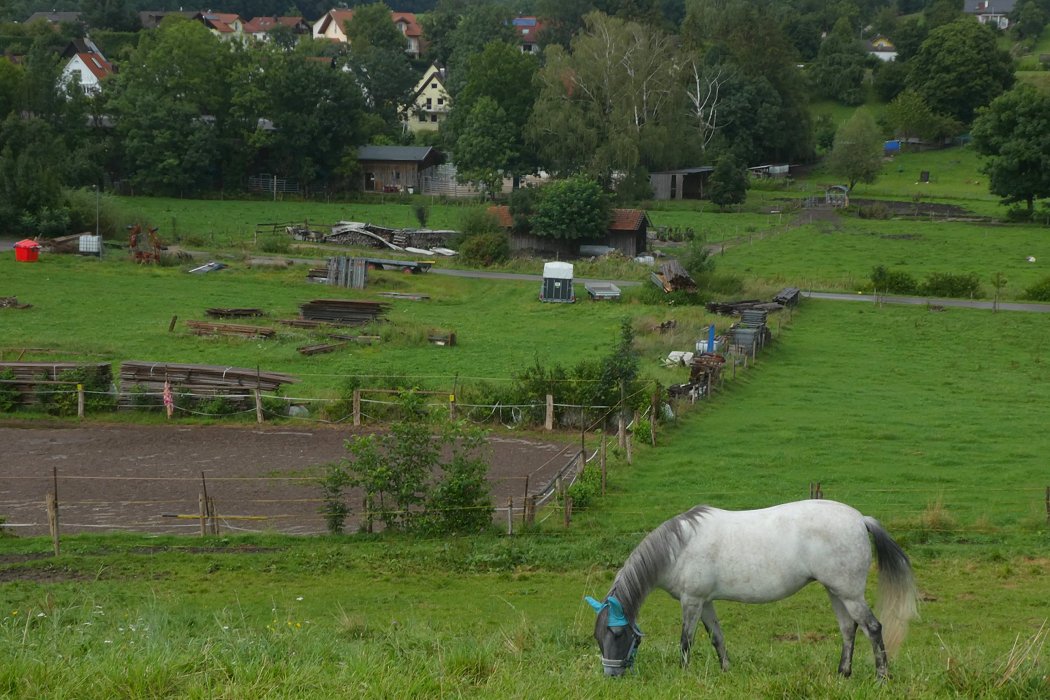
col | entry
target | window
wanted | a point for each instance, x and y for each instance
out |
(441, 101)
(429, 105)
(422, 116)
(433, 117)
(434, 86)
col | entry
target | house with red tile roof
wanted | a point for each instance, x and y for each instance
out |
(259, 27)
(332, 26)
(528, 30)
(88, 69)
(627, 233)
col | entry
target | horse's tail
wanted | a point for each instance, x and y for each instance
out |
(898, 595)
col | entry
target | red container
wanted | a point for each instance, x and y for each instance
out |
(27, 251)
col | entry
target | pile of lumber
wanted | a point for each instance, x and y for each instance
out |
(236, 329)
(342, 311)
(201, 380)
(320, 348)
(233, 313)
(736, 308)
(672, 277)
(31, 376)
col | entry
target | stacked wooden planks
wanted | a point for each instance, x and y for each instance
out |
(201, 380)
(28, 377)
(233, 313)
(236, 329)
(343, 311)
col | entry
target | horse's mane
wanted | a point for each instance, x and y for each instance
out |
(650, 558)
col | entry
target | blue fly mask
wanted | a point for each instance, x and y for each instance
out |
(611, 636)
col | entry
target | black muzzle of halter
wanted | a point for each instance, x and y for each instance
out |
(616, 667)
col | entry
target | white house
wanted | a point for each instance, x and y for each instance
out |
(429, 104)
(882, 48)
(993, 12)
(332, 26)
(89, 69)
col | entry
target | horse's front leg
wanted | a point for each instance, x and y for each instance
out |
(714, 630)
(691, 610)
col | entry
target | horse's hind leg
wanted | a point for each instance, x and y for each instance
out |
(872, 628)
(848, 628)
(714, 630)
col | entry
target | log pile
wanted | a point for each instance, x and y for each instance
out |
(234, 329)
(201, 380)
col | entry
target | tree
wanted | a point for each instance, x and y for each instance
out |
(960, 68)
(501, 75)
(171, 104)
(857, 153)
(729, 182)
(1013, 136)
(485, 148)
(838, 72)
(908, 116)
(480, 24)
(370, 27)
(575, 208)
(1030, 21)
(110, 14)
(604, 107)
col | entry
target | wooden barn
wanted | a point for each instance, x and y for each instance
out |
(396, 168)
(628, 232)
(684, 183)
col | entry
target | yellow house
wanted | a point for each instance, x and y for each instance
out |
(429, 104)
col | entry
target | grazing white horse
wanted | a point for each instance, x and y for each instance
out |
(758, 556)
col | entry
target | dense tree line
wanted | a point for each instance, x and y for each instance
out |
(622, 88)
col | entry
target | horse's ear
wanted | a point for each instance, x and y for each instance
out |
(616, 616)
(594, 604)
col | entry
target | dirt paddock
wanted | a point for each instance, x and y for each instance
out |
(148, 478)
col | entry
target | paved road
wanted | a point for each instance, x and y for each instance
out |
(924, 301)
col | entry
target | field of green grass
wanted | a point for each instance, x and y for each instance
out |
(929, 421)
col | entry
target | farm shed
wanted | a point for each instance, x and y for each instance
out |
(684, 183)
(628, 231)
(397, 168)
(557, 283)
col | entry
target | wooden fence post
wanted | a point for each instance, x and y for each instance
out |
(357, 408)
(259, 418)
(621, 431)
(652, 418)
(1048, 505)
(52, 520)
(568, 509)
(530, 511)
(630, 456)
(203, 511)
(213, 516)
(548, 423)
(171, 326)
(80, 400)
(510, 516)
(601, 463)
(205, 501)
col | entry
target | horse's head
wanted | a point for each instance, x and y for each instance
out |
(618, 638)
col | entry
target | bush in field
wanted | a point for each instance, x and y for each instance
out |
(485, 248)
(586, 488)
(1040, 291)
(61, 399)
(893, 281)
(957, 286)
(874, 211)
(333, 504)
(8, 392)
(396, 470)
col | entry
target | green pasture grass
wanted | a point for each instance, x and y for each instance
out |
(228, 223)
(321, 618)
(115, 310)
(840, 254)
(931, 421)
(1037, 78)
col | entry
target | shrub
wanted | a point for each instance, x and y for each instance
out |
(280, 245)
(61, 399)
(485, 248)
(874, 211)
(477, 221)
(960, 286)
(333, 505)
(893, 281)
(586, 488)
(1040, 291)
(8, 392)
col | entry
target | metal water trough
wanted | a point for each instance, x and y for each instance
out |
(602, 290)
